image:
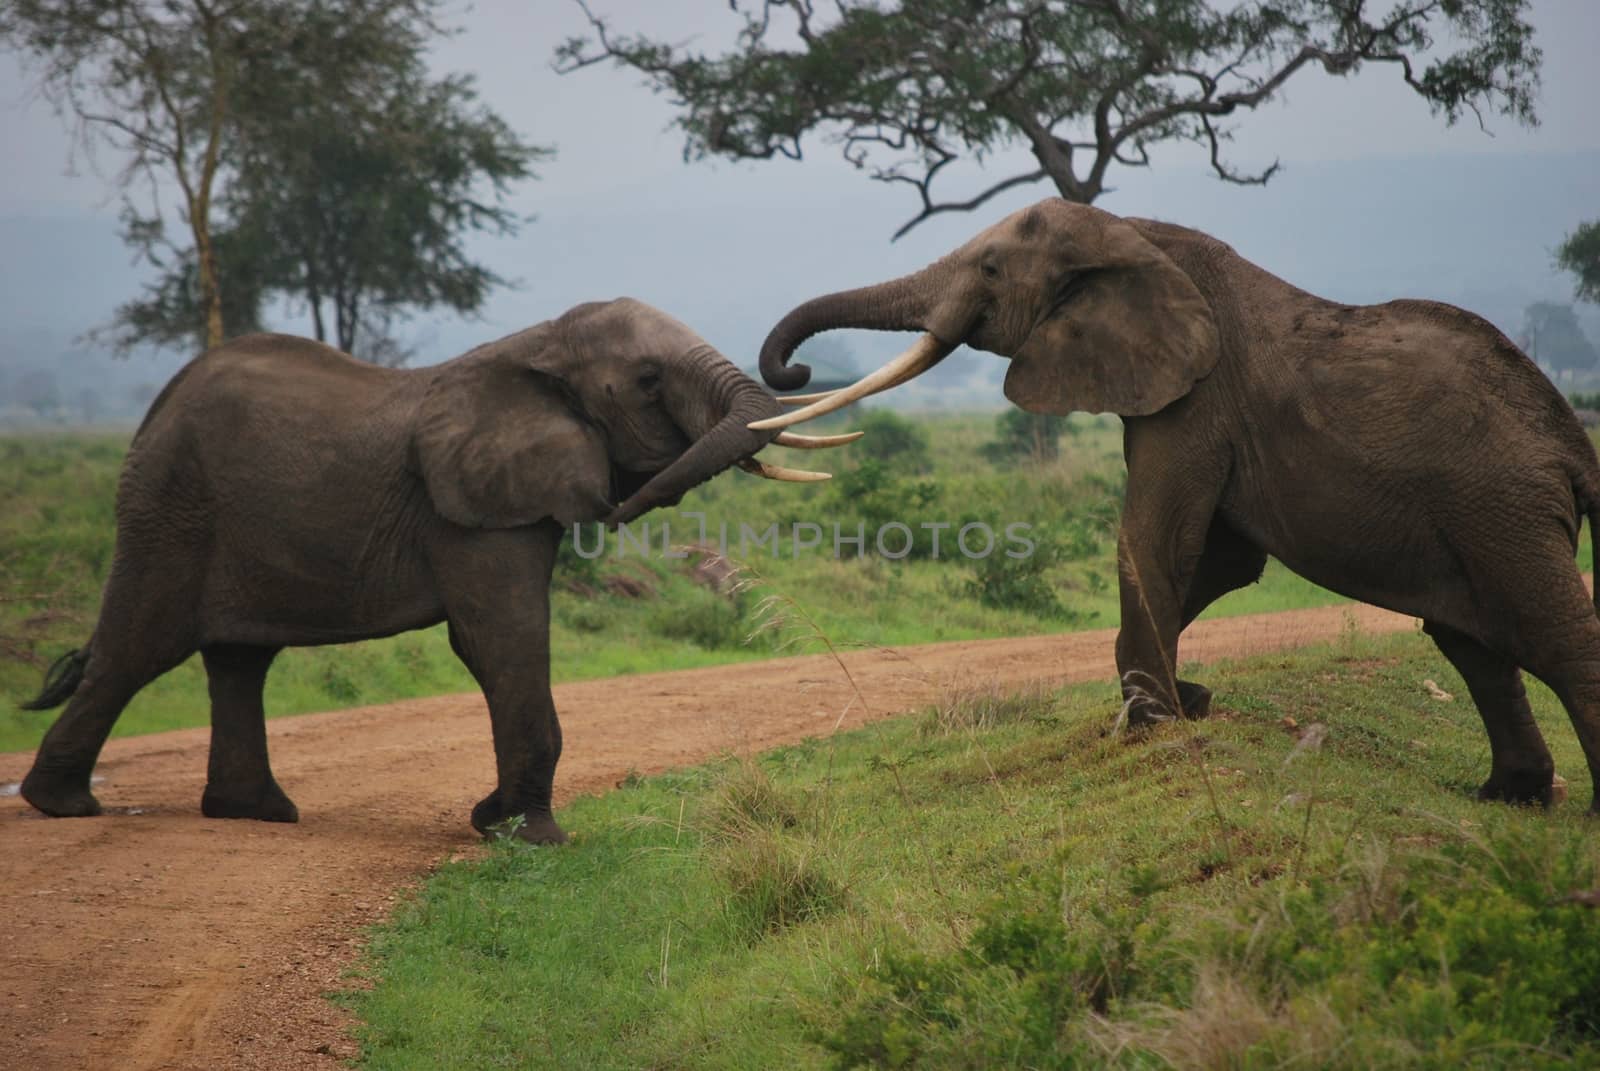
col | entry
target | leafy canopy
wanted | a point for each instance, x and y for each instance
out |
(1580, 254)
(906, 89)
(310, 153)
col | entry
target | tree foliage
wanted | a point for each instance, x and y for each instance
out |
(153, 80)
(1580, 254)
(909, 88)
(1553, 337)
(1021, 434)
(315, 157)
(365, 175)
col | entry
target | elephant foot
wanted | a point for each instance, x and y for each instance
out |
(1522, 787)
(489, 819)
(59, 796)
(1194, 698)
(269, 804)
(1145, 710)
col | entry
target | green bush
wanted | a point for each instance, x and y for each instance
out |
(1006, 583)
(1021, 435)
(893, 441)
(1472, 956)
(701, 617)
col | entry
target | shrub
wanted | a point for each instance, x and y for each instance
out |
(893, 441)
(1481, 954)
(870, 495)
(1006, 583)
(1021, 435)
(762, 846)
(701, 617)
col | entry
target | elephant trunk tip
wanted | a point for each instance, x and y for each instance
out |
(778, 373)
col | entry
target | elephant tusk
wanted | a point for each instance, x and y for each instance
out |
(815, 442)
(778, 472)
(924, 353)
(802, 399)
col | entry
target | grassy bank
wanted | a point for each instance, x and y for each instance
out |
(1000, 881)
(627, 613)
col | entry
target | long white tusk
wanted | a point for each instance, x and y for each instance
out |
(924, 353)
(778, 472)
(815, 442)
(803, 399)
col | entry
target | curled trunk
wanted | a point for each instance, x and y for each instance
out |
(898, 305)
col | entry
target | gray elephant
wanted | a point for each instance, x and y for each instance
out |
(1404, 454)
(280, 493)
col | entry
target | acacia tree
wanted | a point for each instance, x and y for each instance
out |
(909, 88)
(362, 175)
(153, 80)
(1580, 254)
(313, 155)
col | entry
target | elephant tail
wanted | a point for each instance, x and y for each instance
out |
(60, 680)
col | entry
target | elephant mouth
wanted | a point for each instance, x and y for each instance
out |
(625, 483)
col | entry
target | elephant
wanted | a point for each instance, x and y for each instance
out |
(1405, 454)
(281, 493)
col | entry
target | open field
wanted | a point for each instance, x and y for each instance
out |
(630, 613)
(1303, 880)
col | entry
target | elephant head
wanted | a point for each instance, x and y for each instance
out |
(1092, 315)
(603, 413)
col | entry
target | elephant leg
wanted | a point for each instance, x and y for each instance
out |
(1521, 767)
(487, 812)
(239, 781)
(1155, 569)
(1229, 562)
(1173, 490)
(1559, 642)
(495, 586)
(143, 631)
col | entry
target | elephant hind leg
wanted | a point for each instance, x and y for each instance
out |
(239, 781)
(1570, 665)
(58, 782)
(1521, 768)
(143, 631)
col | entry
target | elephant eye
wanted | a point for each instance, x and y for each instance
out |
(650, 380)
(990, 270)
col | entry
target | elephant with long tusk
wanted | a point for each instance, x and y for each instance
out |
(1405, 454)
(280, 493)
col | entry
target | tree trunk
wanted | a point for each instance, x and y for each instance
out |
(210, 292)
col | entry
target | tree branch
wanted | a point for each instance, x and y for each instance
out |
(929, 209)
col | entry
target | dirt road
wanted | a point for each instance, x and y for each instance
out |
(153, 938)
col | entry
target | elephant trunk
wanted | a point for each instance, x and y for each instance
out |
(718, 404)
(898, 305)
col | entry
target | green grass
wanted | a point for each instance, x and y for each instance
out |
(57, 529)
(56, 537)
(1302, 880)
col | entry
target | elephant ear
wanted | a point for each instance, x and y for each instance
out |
(498, 446)
(1131, 334)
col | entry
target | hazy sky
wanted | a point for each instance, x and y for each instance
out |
(729, 247)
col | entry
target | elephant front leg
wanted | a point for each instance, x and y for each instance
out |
(1147, 643)
(527, 746)
(496, 592)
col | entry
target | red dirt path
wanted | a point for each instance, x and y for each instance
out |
(154, 938)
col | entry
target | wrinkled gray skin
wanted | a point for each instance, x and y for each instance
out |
(1404, 454)
(280, 493)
